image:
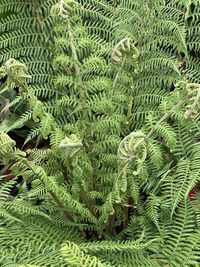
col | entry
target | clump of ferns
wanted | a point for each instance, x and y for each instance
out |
(141, 156)
(154, 170)
(67, 146)
(95, 95)
(86, 74)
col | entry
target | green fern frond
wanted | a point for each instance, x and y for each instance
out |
(75, 257)
(180, 237)
(152, 207)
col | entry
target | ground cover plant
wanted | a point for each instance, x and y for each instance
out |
(99, 133)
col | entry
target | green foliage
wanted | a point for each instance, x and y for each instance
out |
(111, 88)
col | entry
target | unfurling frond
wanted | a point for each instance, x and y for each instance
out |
(70, 145)
(16, 71)
(63, 9)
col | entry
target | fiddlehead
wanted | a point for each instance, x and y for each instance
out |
(122, 47)
(63, 9)
(193, 107)
(70, 145)
(16, 72)
(133, 148)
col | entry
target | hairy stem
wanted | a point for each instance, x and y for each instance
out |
(77, 70)
(166, 116)
(117, 77)
(61, 206)
(87, 202)
(110, 227)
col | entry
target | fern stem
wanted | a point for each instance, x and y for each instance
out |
(77, 70)
(74, 53)
(117, 77)
(126, 211)
(87, 203)
(166, 116)
(187, 13)
(110, 227)
(129, 111)
(61, 206)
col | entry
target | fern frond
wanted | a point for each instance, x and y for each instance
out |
(75, 257)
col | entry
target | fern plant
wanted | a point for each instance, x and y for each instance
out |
(26, 35)
(107, 189)
(58, 203)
